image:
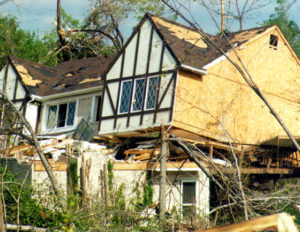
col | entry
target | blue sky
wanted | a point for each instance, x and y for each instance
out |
(39, 15)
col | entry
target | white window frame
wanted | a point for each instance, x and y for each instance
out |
(94, 106)
(189, 180)
(147, 92)
(120, 97)
(133, 94)
(134, 90)
(56, 129)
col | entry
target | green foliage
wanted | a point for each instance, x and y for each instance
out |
(32, 211)
(110, 166)
(288, 27)
(20, 43)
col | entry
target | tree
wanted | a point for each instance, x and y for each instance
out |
(232, 10)
(100, 32)
(288, 27)
(17, 42)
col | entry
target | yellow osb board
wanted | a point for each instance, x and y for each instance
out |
(182, 33)
(56, 166)
(222, 96)
(27, 79)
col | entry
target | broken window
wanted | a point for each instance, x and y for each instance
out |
(188, 198)
(61, 115)
(273, 41)
(137, 102)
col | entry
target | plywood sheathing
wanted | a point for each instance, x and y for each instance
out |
(222, 96)
(191, 49)
(26, 77)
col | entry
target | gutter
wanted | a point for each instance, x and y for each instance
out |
(66, 94)
(194, 70)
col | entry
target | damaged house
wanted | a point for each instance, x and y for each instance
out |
(55, 99)
(167, 74)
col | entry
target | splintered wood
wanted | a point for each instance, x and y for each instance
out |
(282, 222)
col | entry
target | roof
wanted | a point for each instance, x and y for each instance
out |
(190, 48)
(42, 80)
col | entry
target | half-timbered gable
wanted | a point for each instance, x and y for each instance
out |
(139, 86)
(168, 73)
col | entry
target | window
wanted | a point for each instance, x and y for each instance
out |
(61, 115)
(273, 41)
(152, 93)
(125, 96)
(139, 87)
(96, 108)
(139, 90)
(188, 197)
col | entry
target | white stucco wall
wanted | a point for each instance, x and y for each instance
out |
(174, 189)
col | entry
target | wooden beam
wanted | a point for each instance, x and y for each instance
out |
(283, 222)
(55, 165)
(174, 166)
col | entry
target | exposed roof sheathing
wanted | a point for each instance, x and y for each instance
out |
(67, 76)
(193, 50)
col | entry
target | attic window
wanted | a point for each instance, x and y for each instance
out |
(273, 41)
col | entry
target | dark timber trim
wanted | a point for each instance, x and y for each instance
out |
(136, 113)
(38, 118)
(147, 76)
(166, 90)
(159, 82)
(5, 79)
(142, 75)
(173, 96)
(16, 88)
(119, 89)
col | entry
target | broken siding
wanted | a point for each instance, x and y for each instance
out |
(223, 96)
(144, 57)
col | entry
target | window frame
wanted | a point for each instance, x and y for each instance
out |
(133, 94)
(57, 115)
(189, 180)
(45, 113)
(121, 94)
(275, 40)
(133, 91)
(95, 108)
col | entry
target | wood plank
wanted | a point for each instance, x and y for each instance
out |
(55, 165)
(283, 222)
(174, 166)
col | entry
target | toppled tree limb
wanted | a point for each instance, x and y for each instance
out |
(33, 140)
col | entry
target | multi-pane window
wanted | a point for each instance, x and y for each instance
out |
(138, 86)
(125, 97)
(188, 198)
(152, 93)
(61, 115)
(139, 90)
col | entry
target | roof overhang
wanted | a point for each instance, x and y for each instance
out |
(193, 70)
(280, 141)
(67, 94)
